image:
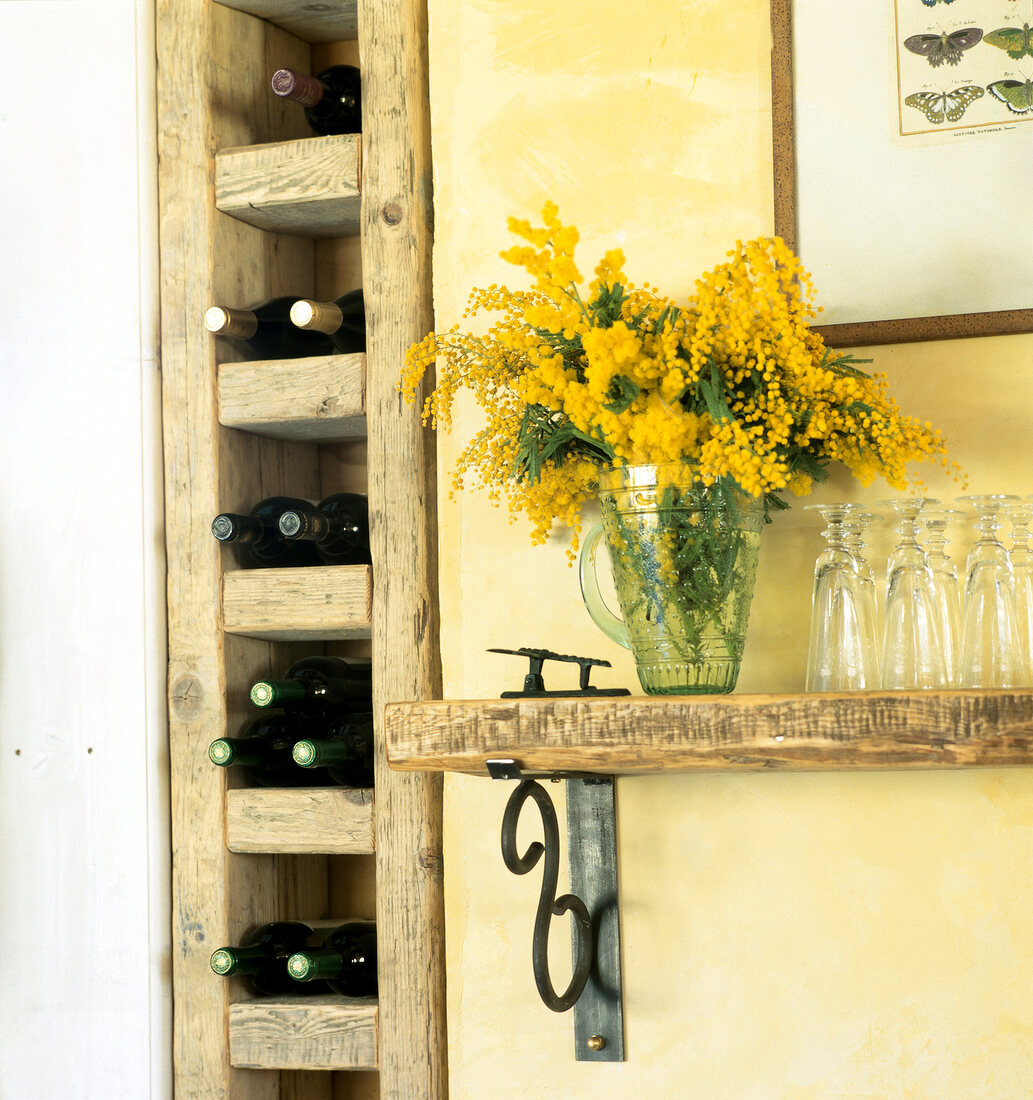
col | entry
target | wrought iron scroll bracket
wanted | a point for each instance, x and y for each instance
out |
(594, 991)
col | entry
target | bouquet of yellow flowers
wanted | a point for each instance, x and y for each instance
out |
(734, 382)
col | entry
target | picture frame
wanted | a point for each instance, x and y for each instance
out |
(945, 322)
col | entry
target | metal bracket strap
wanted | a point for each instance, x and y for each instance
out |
(594, 991)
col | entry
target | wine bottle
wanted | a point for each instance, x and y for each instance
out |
(342, 320)
(318, 686)
(266, 332)
(257, 540)
(338, 526)
(346, 960)
(343, 750)
(262, 958)
(263, 749)
(332, 98)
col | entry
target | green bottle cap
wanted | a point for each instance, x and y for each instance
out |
(305, 754)
(271, 693)
(221, 752)
(320, 962)
(299, 967)
(224, 961)
(262, 694)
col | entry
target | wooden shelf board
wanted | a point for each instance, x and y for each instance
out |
(319, 399)
(325, 21)
(308, 187)
(316, 603)
(325, 1032)
(639, 735)
(330, 820)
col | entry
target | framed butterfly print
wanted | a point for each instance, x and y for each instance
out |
(903, 156)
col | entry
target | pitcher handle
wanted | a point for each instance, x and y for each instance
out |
(611, 625)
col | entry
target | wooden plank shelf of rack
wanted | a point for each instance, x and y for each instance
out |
(308, 187)
(296, 821)
(320, 399)
(323, 1032)
(326, 21)
(314, 603)
(629, 735)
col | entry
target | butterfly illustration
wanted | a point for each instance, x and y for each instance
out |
(932, 3)
(1016, 95)
(943, 47)
(937, 106)
(1014, 42)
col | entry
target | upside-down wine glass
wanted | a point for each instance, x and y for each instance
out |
(840, 656)
(990, 654)
(856, 523)
(946, 588)
(912, 656)
(1021, 558)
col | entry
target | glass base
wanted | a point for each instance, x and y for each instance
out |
(682, 678)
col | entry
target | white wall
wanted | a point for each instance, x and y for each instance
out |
(84, 879)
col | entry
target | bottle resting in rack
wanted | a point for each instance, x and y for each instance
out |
(263, 750)
(266, 331)
(338, 525)
(262, 958)
(318, 686)
(343, 320)
(344, 750)
(256, 538)
(346, 960)
(332, 98)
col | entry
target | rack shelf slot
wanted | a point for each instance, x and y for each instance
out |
(308, 187)
(330, 820)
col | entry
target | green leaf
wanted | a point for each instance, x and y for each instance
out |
(714, 400)
(843, 364)
(807, 463)
(622, 394)
(544, 435)
(606, 306)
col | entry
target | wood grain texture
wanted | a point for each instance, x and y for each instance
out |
(331, 820)
(638, 735)
(308, 187)
(906, 330)
(325, 21)
(325, 1032)
(212, 67)
(305, 604)
(783, 127)
(322, 398)
(397, 216)
(214, 94)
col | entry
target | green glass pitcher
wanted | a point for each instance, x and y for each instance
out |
(684, 562)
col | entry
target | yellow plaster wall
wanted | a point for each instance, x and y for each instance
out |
(786, 937)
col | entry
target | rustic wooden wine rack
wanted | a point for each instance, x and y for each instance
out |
(252, 206)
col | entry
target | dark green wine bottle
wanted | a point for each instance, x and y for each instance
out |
(261, 959)
(338, 526)
(346, 961)
(344, 751)
(256, 538)
(263, 749)
(266, 331)
(319, 686)
(343, 320)
(332, 99)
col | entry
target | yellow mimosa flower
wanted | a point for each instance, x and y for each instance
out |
(733, 382)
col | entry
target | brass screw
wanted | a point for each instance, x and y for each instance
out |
(595, 1042)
